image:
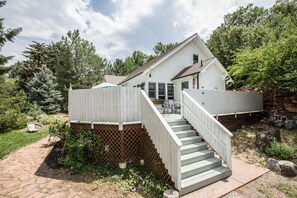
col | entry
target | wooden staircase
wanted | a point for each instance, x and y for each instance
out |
(199, 166)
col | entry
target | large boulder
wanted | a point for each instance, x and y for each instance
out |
(273, 165)
(288, 168)
(264, 138)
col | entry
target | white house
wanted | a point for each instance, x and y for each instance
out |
(189, 65)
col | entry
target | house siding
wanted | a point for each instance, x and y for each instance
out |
(212, 78)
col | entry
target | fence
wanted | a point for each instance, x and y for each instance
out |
(227, 102)
(118, 105)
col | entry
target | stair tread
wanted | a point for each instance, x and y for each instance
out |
(204, 176)
(197, 165)
(193, 145)
(185, 131)
(190, 138)
(181, 125)
(175, 120)
(195, 154)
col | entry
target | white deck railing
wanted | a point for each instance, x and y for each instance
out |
(214, 133)
(166, 142)
(218, 102)
(114, 105)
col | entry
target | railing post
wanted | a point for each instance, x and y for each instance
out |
(181, 104)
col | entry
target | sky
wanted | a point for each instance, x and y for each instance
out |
(115, 27)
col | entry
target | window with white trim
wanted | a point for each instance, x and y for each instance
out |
(170, 91)
(195, 58)
(185, 85)
(152, 90)
(161, 90)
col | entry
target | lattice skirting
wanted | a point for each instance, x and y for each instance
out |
(128, 145)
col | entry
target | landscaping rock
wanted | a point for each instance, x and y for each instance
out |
(288, 168)
(273, 165)
(264, 138)
(170, 193)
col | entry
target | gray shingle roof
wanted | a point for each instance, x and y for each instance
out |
(196, 68)
(113, 79)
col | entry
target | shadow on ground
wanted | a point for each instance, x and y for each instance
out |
(51, 168)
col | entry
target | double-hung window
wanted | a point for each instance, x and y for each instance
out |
(152, 90)
(170, 91)
(161, 89)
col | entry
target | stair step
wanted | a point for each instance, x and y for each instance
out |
(199, 167)
(203, 179)
(177, 122)
(190, 148)
(190, 140)
(181, 127)
(186, 133)
(196, 157)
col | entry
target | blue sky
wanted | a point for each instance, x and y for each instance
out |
(115, 27)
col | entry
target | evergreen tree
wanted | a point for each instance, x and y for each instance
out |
(75, 64)
(5, 35)
(43, 91)
(36, 58)
(161, 48)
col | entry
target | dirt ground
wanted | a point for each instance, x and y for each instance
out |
(270, 185)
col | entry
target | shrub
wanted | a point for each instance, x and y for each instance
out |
(12, 105)
(59, 130)
(280, 151)
(49, 119)
(82, 147)
(34, 111)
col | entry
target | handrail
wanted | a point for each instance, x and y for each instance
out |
(162, 119)
(216, 135)
(165, 140)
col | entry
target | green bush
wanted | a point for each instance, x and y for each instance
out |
(12, 106)
(280, 151)
(12, 119)
(34, 111)
(82, 147)
(48, 119)
(59, 130)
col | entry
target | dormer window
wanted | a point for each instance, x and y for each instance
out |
(195, 58)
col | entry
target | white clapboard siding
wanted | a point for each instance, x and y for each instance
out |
(166, 142)
(214, 133)
(118, 104)
(218, 102)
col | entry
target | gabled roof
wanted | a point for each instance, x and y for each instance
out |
(152, 62)
(194, 69)
(113, 79)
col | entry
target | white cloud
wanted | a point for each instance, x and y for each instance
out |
(204, 16)
(47, 20)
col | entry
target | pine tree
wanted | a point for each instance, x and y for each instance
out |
(5, 35)
(43, 90)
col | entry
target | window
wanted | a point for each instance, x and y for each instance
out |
(185, 85)
(161, 87)
(195, 58)
(152, 90)
(170, 91)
